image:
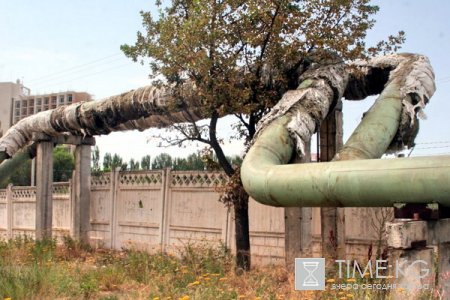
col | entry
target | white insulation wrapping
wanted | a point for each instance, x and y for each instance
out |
(309, 105)
(320, 90)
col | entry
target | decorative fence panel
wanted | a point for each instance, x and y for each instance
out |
(101, 210)
(61, 209)
(139, 205)
(24, 211)
(167, 210)
(193, 213)
(266, 233)
(18, 211)
(4, 215)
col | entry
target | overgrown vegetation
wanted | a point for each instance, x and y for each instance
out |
(63, 166)
(70, 270)
(242, 56)
(204, 160)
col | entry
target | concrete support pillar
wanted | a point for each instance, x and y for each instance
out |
(332, 218)
(44, 187)
(9, 210)
(297, 226)
(80, 220)
(422, 249)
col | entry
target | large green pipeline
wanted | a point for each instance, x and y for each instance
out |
(7, 167)
(355, 183)
(363, 182)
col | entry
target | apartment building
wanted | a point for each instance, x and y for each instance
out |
(16, 102)
(10, 92)
(32, 104)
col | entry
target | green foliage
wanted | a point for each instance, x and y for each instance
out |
(192, 162)
(20, 177)
(88, 284)
(162, 161)
(95, 169)
(242, 55)
(107, 162)
(146, 162)
(111, 162)
(197, 271)
(133, 165)
(63, 166)
(63, 163)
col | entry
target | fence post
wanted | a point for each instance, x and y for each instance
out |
(115, 173)
(44, 186)
(165, 195)
(82, 191)
(297, 225)
(9, 211)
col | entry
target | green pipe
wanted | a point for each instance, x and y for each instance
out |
(7, 167)
(357, 183)
(377, 129)
(352, 183)
(3, 156)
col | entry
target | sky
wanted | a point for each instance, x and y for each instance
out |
(59, 45)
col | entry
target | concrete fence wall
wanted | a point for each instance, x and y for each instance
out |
(167, 210)
(18, 210)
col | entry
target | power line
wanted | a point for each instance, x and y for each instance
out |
(434, 147)
(431, 143)
(89, 75)
(73, 73)
(74, 67)
(432, 154)
(443, 79)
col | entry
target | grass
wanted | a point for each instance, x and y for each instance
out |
(45, 270)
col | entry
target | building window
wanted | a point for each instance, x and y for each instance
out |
(24, 103)
(38, 109)
(69, 98)
(17, 104)
(61, 99)
(46, 100)
(24, 111)
(17, 112)
(53, 99)
(38, 101)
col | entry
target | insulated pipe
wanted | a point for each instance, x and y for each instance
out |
(374, 134)
(8, 166)
(357, 183)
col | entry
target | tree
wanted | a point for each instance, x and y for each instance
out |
(162, 161)
(242, 56)
(20, 177)
(133, 165)
(63, 166)
(193, 162)
(107, 162)
(95, 169)
(146, 162)
(63, 163)
(111, 162)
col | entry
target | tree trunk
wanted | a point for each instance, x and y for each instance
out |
(242, 235)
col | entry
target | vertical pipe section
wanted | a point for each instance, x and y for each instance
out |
(374, 134)
(355, 183)
(9, 166)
